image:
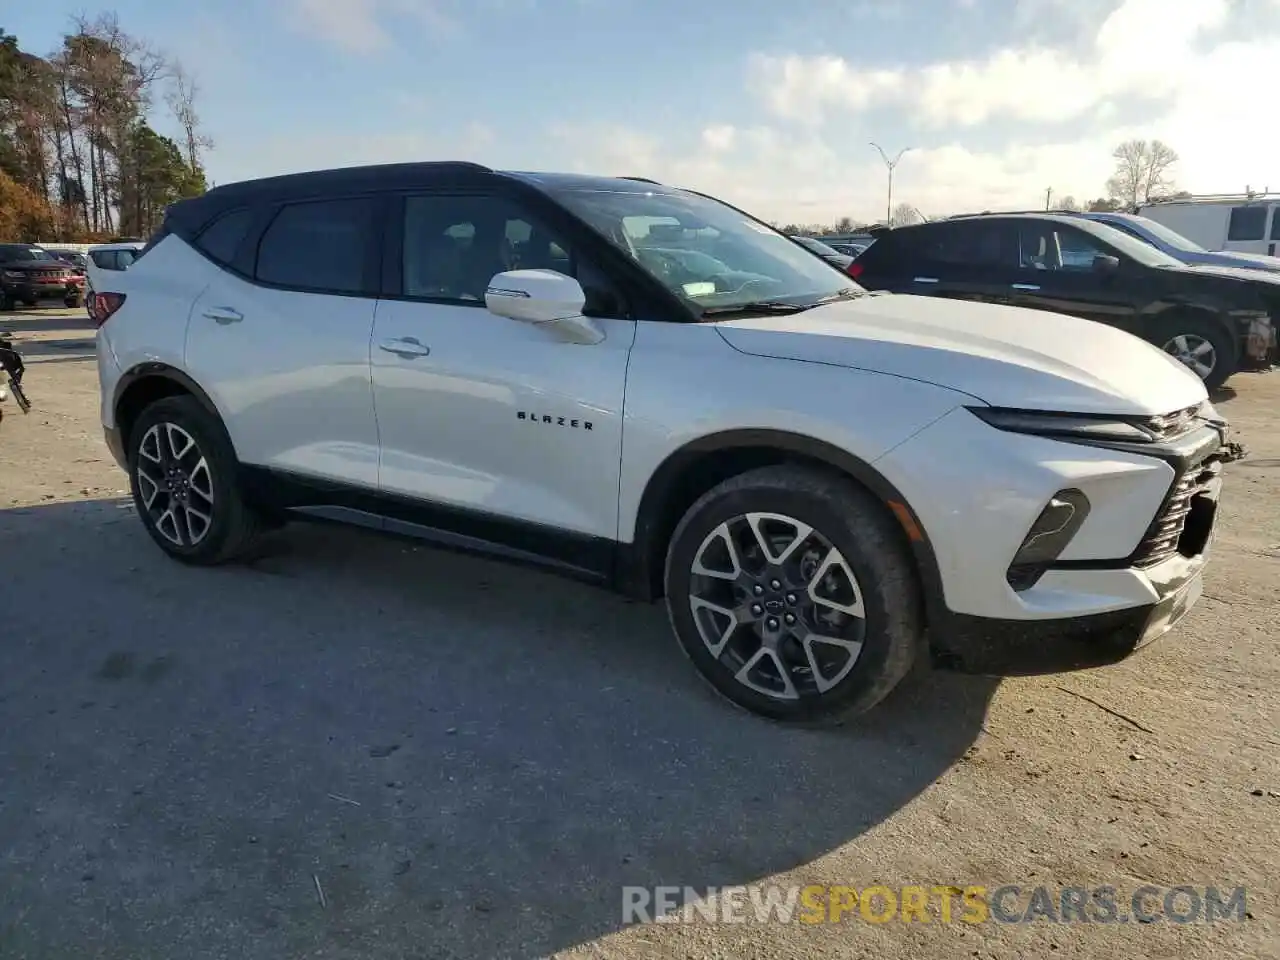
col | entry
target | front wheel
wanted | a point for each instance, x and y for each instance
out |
(1202, 346)
(792, 593)
(182, 472)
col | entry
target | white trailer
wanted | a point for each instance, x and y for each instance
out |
(1241, 223)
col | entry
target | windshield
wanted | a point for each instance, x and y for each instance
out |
(707, 253)
(1130, 246)
(1171, 237)
(15, 252)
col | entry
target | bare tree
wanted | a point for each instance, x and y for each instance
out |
(181, 98)
(904, 214)
(1070, 203)
(1142, 169)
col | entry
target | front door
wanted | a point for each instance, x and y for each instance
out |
(1058, 271)
(492, 428)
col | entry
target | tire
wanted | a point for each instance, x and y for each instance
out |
(71, 302)
(1194, 332)
(7, 302)
(884, 585)
(233, 527)
(31, 304)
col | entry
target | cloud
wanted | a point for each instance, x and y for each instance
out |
(1141, 50)
(357, 26)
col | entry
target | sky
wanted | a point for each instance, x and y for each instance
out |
(772, 106)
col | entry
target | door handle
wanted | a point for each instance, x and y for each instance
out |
(1025, 286)
(405, 347)
(925, 279)
(224, 315)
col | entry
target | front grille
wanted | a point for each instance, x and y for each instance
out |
(1168, 533)
(1170, 426)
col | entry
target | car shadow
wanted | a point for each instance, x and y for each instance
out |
(367, 746)
(61, 349)
(30, 321)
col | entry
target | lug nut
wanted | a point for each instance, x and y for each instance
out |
(757, 589)
(790, 618)
(773, 623)
(776, 584)
(791, 598)
(757, 609)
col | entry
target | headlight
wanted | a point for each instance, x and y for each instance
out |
(14, 275)
(1066, 425)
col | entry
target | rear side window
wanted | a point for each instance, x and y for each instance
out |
(1247, 223)
(221, 239)
(980, 243)
(320, 246)
(1275, 224)
(104, 259)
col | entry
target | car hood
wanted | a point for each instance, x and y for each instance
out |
(1004, 356)
(1252, 274)
(1251, 261)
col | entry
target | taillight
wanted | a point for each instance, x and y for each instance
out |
(854, 269)
(103, 305)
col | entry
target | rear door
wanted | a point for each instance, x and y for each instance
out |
(1057, 272)
(964, 260)
(280, 336)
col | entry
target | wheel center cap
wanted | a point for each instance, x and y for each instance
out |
(775, 605)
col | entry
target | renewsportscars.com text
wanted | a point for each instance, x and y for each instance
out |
(942, 903)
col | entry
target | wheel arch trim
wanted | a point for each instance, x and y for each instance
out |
(651, 510)
(157, 370)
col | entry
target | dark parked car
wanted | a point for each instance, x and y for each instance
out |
(74, 257)
(29, 274)
(1216, 320)
(833, 257)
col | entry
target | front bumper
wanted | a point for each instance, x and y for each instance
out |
(44, 291)
(1131, 571)
(1020, 647)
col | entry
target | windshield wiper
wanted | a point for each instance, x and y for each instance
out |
(848, 293)
(758, 306)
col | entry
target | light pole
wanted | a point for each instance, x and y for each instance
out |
(888, 209)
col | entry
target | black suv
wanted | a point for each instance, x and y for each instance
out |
(29, 274)
(1216, 320)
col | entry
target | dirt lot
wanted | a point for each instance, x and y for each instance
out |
(469, 760)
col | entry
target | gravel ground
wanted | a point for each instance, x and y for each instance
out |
(359, 748)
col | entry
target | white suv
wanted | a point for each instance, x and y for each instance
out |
(648, 389)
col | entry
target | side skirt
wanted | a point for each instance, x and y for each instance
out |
(290, 496)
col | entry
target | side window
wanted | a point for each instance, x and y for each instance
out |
(125, 258)
(1247, 223)
(453, 247)
(320, 246)
(979, 243)
(104, 259)
(1275, 222)
(220, 240)
(1077, 250)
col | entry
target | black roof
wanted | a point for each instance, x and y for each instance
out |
(391, 176)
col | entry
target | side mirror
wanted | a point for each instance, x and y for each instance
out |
(1106, 264)
(543, 297)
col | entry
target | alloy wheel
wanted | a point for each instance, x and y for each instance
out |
(1194, 352)
(778, 605)
(174, 484)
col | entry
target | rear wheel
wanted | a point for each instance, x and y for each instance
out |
(792, 593)
(182, 472)
(1202, 346)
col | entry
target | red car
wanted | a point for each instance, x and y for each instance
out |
(29, 274)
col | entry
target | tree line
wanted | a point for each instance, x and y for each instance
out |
(1143, 172)
(80, 159)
